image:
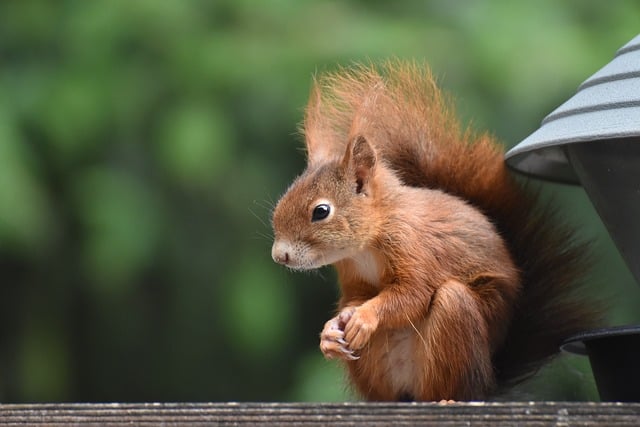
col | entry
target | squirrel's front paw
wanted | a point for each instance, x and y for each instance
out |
(360, 324)
(332, 343)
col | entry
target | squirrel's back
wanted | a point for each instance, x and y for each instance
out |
(413, 127)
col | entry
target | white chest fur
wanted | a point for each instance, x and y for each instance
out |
(367, 267)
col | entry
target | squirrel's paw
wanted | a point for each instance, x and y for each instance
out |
(360, 324)
(332, 343)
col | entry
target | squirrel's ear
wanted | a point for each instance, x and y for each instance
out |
(360, 159)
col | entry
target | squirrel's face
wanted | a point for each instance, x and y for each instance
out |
(322, 218)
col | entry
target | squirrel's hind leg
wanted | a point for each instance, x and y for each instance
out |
(452, 350)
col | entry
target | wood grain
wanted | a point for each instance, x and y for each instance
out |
(319, 414)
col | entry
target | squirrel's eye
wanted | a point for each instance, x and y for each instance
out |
(320, 212)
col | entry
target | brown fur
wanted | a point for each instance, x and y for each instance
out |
(454, 283)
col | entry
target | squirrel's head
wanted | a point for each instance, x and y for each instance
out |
(328, 212)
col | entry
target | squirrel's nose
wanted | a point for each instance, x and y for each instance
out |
(280, 252)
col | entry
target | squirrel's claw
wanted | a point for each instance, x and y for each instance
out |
(350, 355)
(332, 342)
(355, 323)
(335, 350)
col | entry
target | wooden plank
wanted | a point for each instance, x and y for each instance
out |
(478, 414)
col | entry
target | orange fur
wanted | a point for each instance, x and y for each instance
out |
(454, 283)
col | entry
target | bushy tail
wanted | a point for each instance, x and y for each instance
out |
(399, 108)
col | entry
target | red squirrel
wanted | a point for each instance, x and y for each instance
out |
(455, 282)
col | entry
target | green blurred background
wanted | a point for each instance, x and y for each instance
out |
(143, 144)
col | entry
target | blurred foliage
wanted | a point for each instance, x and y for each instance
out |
(143, 143)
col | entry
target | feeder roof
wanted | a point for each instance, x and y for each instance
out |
(606, 106)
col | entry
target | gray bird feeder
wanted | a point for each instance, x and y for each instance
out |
(593, 139)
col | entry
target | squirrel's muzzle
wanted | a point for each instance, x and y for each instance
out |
(281, 252)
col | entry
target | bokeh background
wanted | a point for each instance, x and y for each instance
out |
(143, 144)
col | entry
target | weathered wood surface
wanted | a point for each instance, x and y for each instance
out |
(339, 414)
